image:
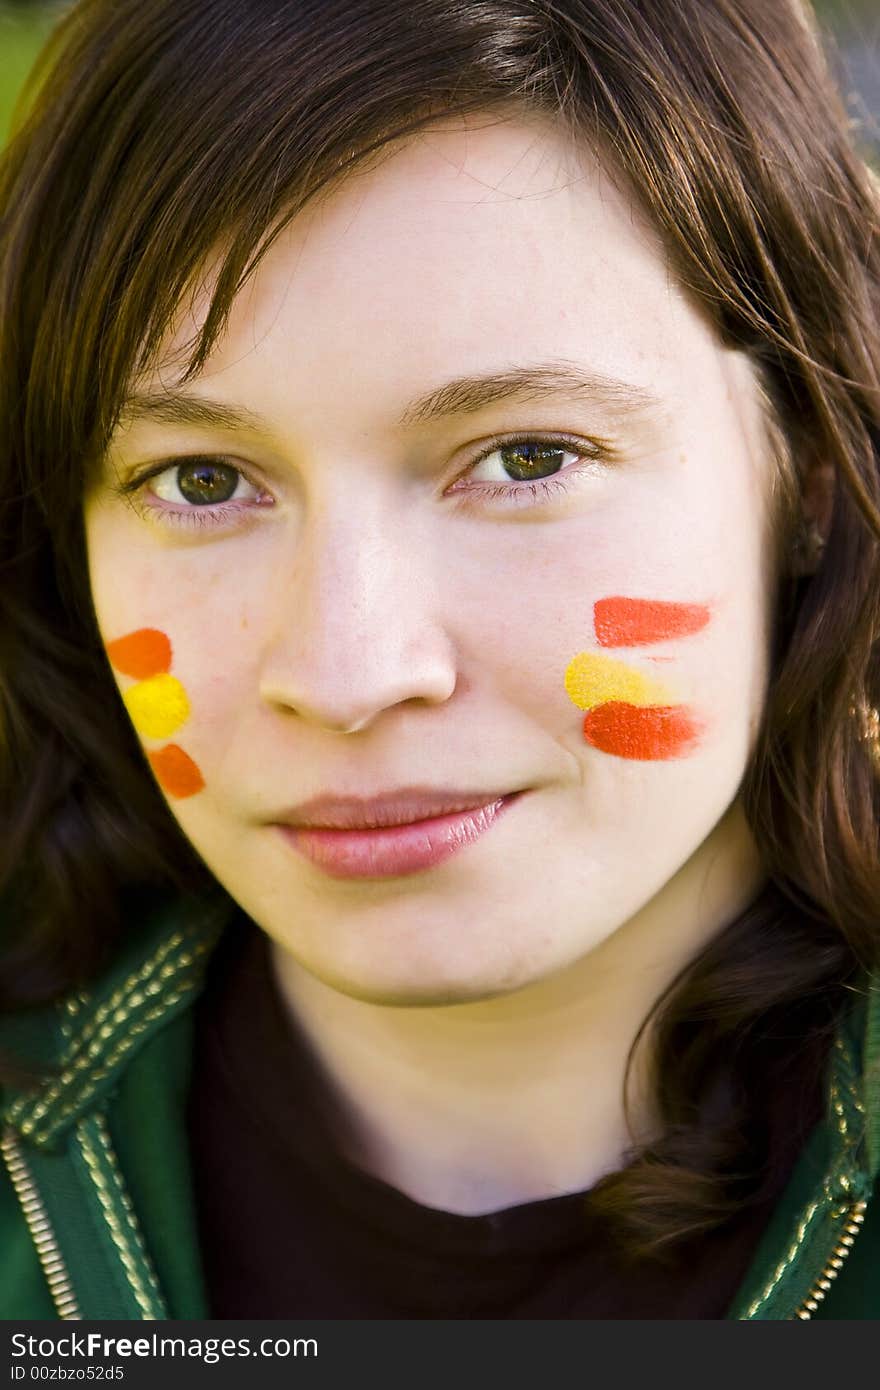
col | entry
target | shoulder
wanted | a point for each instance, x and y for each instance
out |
(76, 1158)
(84, 1042)
(820, 1256)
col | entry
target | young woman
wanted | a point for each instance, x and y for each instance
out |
(440, 587)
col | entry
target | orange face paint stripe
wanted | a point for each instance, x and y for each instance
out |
(141, 654)
(648, 733)
(635, 622)
(175, 771)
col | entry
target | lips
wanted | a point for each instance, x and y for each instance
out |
(403, 832)
(400, 807)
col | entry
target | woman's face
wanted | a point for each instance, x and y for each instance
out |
(469, 509)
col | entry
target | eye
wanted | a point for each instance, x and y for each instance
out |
(202, 482)
(527, 470)
(522, 461)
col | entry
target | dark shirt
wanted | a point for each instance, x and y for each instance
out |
(290, 1227)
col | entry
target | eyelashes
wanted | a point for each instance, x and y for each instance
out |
(167, 478)
(464, 491)
(581, 450)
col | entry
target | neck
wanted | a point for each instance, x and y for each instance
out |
(477, 1106)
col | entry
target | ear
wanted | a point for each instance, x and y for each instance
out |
(817, 508)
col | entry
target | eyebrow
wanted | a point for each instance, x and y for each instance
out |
(173, 407)
(462, 395)
(468, 394)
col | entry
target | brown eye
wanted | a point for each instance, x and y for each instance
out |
(523, 462)
(526, 460)
(204, 482)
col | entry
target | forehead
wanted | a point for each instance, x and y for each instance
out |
(482, 241)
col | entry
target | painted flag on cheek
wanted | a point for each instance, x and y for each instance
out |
(629, 713)
(158, 706)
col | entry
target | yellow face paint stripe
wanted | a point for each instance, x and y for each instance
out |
(592, 679)
(157, 706)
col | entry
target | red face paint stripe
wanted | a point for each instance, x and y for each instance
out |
(175, 771)
(141, 654)
(649, 733)
(634, 622)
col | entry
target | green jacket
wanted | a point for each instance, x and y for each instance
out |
(96, 1208)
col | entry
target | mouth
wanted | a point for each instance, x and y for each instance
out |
(388, 837)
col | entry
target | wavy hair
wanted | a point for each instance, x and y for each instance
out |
(154, 132)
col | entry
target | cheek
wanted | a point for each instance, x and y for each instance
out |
(176, 772)
(652, 734)
(158, 705)
(628, 712)
(639, 622)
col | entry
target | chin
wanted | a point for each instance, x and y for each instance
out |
(401, 990)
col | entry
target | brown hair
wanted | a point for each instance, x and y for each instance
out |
(156, 131)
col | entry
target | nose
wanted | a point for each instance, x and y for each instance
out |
(356, 627)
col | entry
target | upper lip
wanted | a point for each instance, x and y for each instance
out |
(399, 807)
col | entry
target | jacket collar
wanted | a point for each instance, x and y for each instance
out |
(91, 1037)
(88, 1038)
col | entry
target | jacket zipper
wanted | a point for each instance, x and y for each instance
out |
(64, 1298)
(855, 1219)
(42, 1235)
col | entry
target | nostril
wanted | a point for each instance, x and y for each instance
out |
(343, 684)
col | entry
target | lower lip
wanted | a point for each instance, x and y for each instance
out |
(395, 849)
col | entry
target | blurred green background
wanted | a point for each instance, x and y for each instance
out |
(853, 27)
(22, 29)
